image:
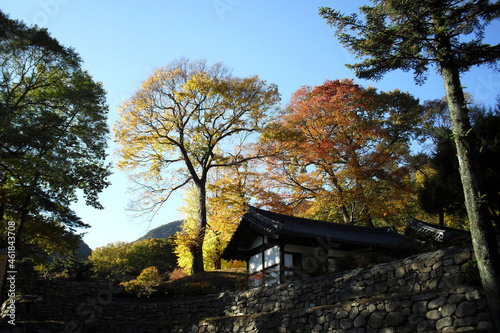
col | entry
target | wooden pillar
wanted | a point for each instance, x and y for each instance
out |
(282, 262)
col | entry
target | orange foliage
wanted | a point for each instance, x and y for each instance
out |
(332, 153)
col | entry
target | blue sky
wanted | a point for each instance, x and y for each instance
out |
(284, 42)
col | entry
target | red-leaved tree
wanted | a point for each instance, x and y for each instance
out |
(336, 155)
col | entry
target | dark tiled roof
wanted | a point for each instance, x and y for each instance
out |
(277, 226)
(435, 231)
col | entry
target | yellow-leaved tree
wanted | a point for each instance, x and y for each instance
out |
(228, 195)
(187, 119)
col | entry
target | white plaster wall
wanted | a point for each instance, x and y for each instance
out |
(258, 241)
(271, 256)
(255, 263)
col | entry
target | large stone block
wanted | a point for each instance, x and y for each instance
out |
(456, 298)
(452, 281)
(438, 302)
(360, 321)
(341, 314)
(448, 309)
(461, 257)
(466, 309)
(395, 318)
(346, 324)
(444, 322)
(433, 315)
(377, 319)
(420, 307)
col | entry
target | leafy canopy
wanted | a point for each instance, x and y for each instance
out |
(186, 119)
(53, 136)
(338, 147)
(121, 259)
(411, 35)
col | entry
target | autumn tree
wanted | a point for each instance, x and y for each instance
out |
(336, 148)
(53, 136)
(121, 259)
(230, 191)
(187, 119)
(449, 36)
(110, 260)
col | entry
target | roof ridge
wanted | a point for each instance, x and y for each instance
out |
(286, 218)
(255, 211)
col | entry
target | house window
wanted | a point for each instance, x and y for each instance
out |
(271, 266)
(263, 267)
(271, 257)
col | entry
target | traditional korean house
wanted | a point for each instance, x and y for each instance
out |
(279, 248)
(426, 232)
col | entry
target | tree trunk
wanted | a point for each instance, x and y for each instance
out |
(345, 214)
(22, 219)
(197, 248)
(482, 231)
(369, 221)
(218, 260)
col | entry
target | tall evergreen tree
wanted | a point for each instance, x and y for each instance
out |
(447, 35)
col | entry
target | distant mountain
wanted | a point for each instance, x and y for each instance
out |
(84, 251)
(163, 231)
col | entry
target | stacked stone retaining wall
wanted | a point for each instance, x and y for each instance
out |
(423, 293)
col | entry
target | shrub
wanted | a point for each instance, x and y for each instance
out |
(198, 288)
(145, 283)
(122, 260)
(177, 274)
(65, 267)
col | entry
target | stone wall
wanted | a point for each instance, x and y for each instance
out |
(65, 288)
(423, 293)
